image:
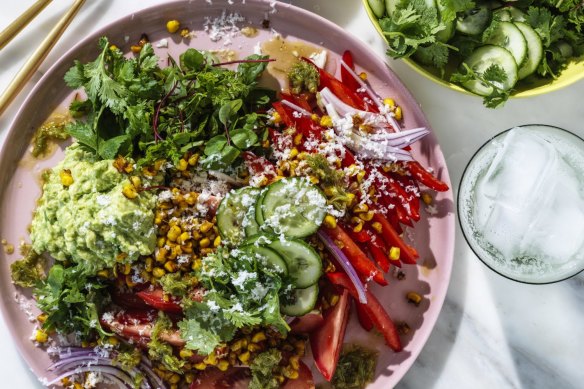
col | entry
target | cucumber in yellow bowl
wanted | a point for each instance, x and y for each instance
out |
(487, 48)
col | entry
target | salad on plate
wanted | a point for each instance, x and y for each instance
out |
(206, 231)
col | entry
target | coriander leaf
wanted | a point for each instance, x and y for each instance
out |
(495, 74)
(159, 350)
(177, 284)
(204, 329)
(435, 54)
(449, 8)
(75, 77)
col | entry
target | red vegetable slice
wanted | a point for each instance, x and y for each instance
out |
(379, 256)
(155, 298)
(363, 317)
(391, 238)
(424, 176)
(307, 323)
(346, 77)
(304, 380)
(326, 342)
(374, 309)
(259, 165)
(356, 256)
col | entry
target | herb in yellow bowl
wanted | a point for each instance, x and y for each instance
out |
(491, 49)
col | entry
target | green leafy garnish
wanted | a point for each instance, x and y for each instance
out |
(136, 109)
(355, 369)
(159, 350)
(303, 77)
(262, 370)
(72, 300)
(494, 76)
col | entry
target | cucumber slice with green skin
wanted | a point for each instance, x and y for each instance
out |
(293, 207)
(481, 59)
(250, 225)
(303, 262)
(474, 21)
(378, 7)
(259, 215)
(508, 36)
(268, 257)
(509, 14)
(232, 211)
(304, 301)
(534, 50)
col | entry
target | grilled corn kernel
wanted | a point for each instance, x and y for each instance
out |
(361, 175)
(103, 273)
(314, 179)
(193, 159)
(130, 281)
(276, 118)
(280, 379)
(290, 373)
(315, 118)
(334, 300)
(182, 165)
(326, 121)
(129, 191)
(66, 177)
(126, 269)
(136, 49)
(197, 263)
(217, 241)
(298, 139)
(183, 237)
(258, 337)
(113, 340)
(358, 227)
(350, 197)
(42, 317)
(185, 353)
(377, 227)
(330, 191)
(330, 221)
(389, 102)
(223, 365)
(252, 348)
(174, 379)
(244, 357)
(77, 385)
(66, 381)
(295, 362)
(359, 208)
(394, 253)
(414, 298)
(237, 345)
(158, 272)
(367, 216)
(204, 243)
(172, 26)
(200, 366)
(398, 113)
(170, 266)
(136, 181)
(293, 152)
(363, 76)
(427, 198)
(161, 254)
(41, 336)
(189, 378)
(206, 226)
(185, 33)
(211, 359)
(173, 233)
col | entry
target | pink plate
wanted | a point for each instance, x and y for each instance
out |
(433, 236)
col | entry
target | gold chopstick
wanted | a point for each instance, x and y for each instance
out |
(35, 60)
(16, 26)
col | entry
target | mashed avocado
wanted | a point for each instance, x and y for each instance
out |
(91, 222)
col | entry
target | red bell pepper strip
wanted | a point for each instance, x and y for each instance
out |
(286, 119)
(155, 298)
(299, 100)
(326, 342)
(259, 165)
(374, 309)
(391, 238)
(360, 237)
(379, 256)
(363, 317)
(356, 256)
(346, 77)
(423, 176)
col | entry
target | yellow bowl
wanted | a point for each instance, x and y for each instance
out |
(572, 73)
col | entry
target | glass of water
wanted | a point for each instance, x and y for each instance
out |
(521, 204)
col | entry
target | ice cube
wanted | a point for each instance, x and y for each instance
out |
(530, 202)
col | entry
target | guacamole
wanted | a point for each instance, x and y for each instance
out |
(88, 220)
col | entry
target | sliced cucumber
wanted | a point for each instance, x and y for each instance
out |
(259, 215)
(250, 225)
(268, 257)
(293, 207)
(303, 301)
(378, 7)
(534, 50)
(484, 57)
(474, 21)
(303, 262)
(508, 36)
(509, 14)
(232, 211)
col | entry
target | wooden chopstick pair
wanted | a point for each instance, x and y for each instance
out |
(35, 60)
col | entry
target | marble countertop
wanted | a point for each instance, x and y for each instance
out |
(492, 332)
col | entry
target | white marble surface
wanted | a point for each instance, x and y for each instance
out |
(492, 332)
